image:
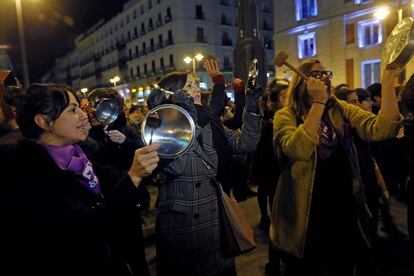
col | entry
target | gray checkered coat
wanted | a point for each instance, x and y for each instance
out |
(188, 225)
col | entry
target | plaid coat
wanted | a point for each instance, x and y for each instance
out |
(188, 224)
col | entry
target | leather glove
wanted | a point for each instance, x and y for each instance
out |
(156, 98)
(251, 83)
(182, 99)
(252, 100)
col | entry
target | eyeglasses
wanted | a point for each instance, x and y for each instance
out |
(191, 84)
(319, 74)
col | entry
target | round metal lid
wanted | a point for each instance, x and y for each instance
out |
(170, 126)
(399, 47)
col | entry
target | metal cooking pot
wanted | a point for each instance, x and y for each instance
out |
(106, 111)
(170, 126)
(105, 105)
(399, 47)
(253, 72)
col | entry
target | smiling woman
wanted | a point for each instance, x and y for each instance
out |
(64, 214)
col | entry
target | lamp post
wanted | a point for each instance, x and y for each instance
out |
(197, 57)
(26, 80)
(114, 80)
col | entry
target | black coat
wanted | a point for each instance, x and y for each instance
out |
(55, 226)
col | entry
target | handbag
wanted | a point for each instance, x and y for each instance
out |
(237, 234)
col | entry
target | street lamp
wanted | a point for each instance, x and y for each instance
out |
(114, 80)
(84, 90)
(197, 57)
(383, 12)
(26, 80)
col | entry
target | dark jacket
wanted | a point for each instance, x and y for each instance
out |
(266, 169)
(56, 226)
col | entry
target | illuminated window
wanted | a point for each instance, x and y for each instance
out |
(370, 71)
(306, 8)
(369, 33)
(306, 45)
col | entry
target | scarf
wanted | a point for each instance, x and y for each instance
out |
(327, 138)
(72, 158)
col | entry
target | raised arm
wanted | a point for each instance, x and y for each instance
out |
(389, 106)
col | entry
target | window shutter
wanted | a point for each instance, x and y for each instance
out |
(350, 33)
(350, 72)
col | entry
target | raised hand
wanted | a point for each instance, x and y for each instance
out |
(317, 90)
(115, 136)
(252, 100)
(211, 65)
(145, 161)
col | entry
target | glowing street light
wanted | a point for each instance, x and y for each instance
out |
(382, 13)
(197, 57)
(114, 80)
(84, 90)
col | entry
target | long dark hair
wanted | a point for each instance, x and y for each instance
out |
(297, 89)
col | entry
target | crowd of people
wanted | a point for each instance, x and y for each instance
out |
(325, 159)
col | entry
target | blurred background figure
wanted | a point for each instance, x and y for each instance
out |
(10, 92)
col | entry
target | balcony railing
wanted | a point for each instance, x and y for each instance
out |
(169, 42)
(87, 75)
(200, 16)
(201, 39)
(110, 66)
(226, 42)
(159, 45)
(225, 21)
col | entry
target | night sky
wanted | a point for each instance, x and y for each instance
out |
(50, 28)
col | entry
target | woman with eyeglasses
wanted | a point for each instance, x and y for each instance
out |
(320, 219)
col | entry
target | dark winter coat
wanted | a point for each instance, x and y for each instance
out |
(56, 226)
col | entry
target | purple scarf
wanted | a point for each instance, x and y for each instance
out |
(72, 158)
(327, 138)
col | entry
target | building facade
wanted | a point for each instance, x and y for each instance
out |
(152, 37)
(345, 35)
